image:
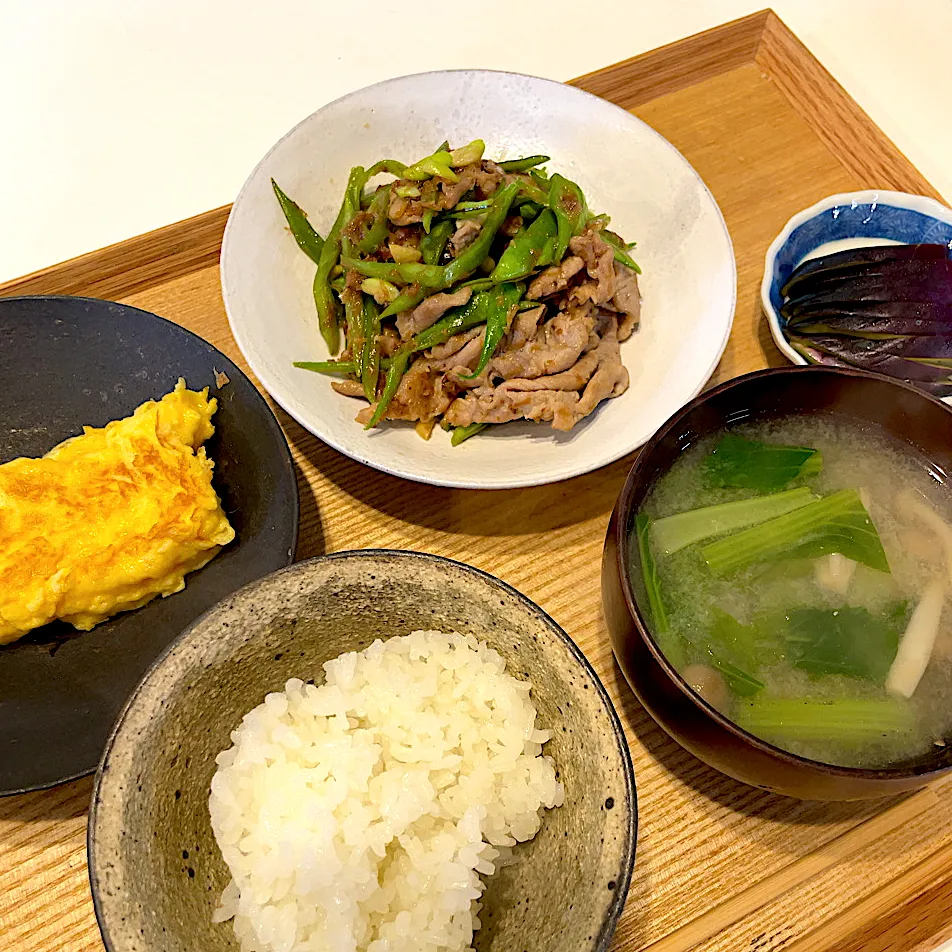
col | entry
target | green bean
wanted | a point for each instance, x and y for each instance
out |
(328, 307)
(390, 166)
(479, 284)
(371, 355)
(407, 300)
(441, 163)
(428, 275)
(531, 248)
(471, 215)
(352, 196)
(481, 205)
(571, 213)
(462, 211)
(496, 308)
(398, 367)
(461, 433)
(523, 165)
(435, 165)
(454, 321)
(473, 256)
(343, 367)
(620, 250)
(308, 240)
(432, 245)
(354, 313)
(468, 154)
(532, 191)
(377, 232)
(529, 211)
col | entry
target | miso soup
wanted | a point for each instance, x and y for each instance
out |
(797, 574)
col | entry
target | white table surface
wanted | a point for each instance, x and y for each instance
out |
(120, 116)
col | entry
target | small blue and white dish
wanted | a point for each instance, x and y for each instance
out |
(849, 220)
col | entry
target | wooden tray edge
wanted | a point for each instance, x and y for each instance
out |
(848, 132)
(134, 264)
(677, 65)
(884, 913)
(746, 903)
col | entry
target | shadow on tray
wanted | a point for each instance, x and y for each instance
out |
(502, 512)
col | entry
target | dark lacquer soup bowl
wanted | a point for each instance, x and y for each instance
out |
(868, 401)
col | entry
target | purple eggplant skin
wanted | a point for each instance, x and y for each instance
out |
(897, 317)
(809, 353)
(803, 346)
(842, 351)
(920, 348)
(904, 280)
(858, 260)
(928, 282)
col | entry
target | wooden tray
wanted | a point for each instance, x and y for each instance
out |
(721, 866)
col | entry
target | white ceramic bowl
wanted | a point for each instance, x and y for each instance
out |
(848, 220)
(625, 169)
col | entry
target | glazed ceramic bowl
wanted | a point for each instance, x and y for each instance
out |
(155, 870)
(869, 400)
(625, 169)
(839, 222)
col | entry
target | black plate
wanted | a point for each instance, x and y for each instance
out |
(65, 362)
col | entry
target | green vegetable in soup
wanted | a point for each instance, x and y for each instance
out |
(766, 467)
(738, 680)
(835, 523)
(685, 528)
(737, 651)
(669, 643)
(848, 721)
(649, 573)
(846, 641)
(747, 646)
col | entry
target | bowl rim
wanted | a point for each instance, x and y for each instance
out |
(918, 203)
(609, 922)
(365, 457)
(625, 512)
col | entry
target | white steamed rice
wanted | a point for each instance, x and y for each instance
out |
(358, 815)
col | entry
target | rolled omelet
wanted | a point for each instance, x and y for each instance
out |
(108, 520)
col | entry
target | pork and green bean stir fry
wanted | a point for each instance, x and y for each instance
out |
(468, 292)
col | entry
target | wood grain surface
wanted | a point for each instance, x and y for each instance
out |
(721, 866)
